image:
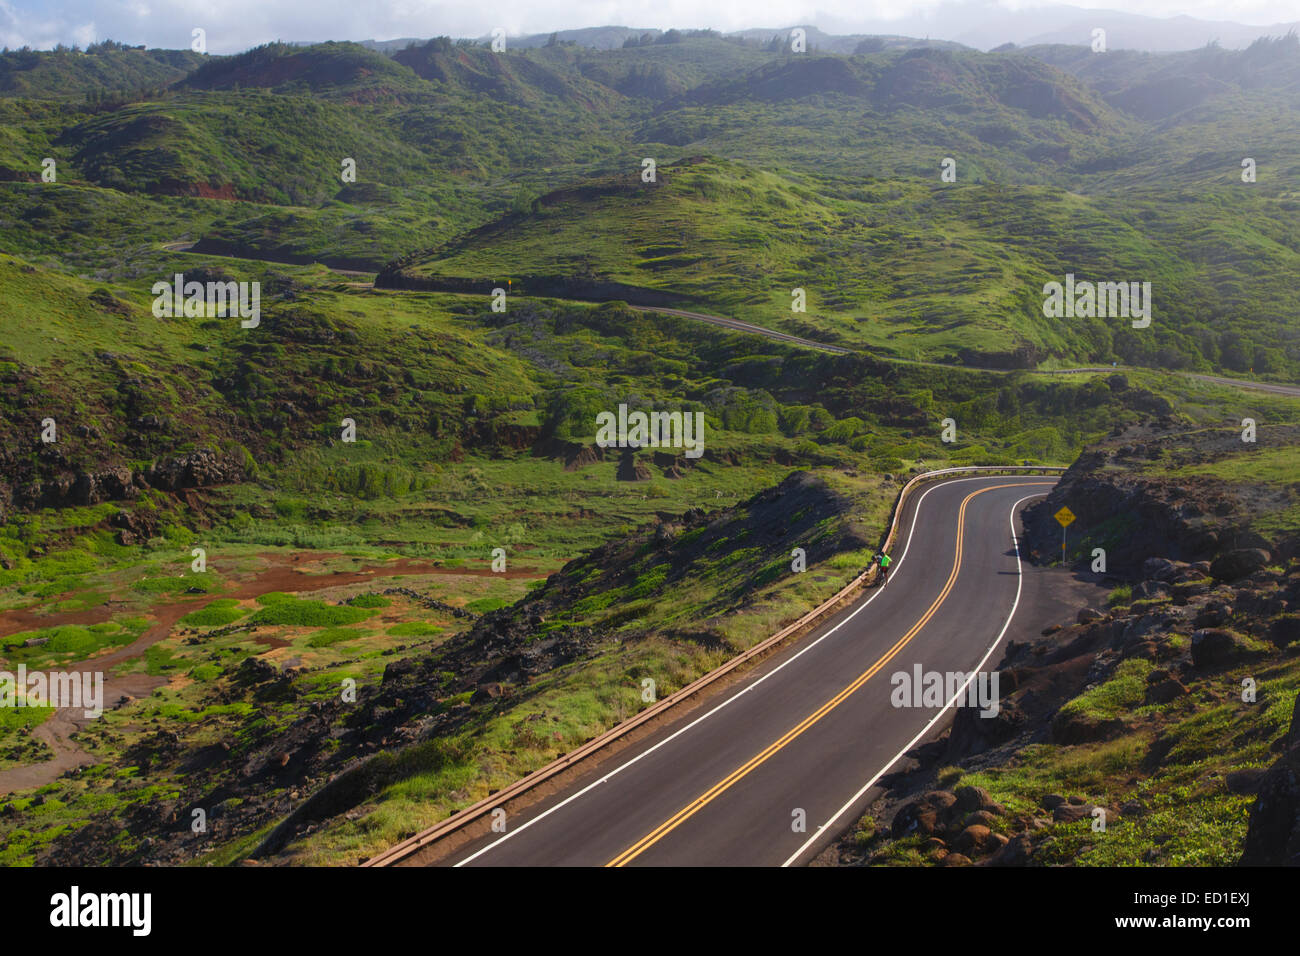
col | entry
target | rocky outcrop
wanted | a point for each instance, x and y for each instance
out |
(1139, 513)
(1273, 837)
(630, 468)
(68, 487)
(575, 455)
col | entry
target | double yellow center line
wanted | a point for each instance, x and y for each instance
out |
(700, 802)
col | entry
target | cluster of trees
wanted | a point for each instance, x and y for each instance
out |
(668, 36)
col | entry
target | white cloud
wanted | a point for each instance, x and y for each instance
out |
(239, 24)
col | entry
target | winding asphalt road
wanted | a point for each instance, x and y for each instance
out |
(808, 732)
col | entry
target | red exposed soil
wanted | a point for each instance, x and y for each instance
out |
(284, 574)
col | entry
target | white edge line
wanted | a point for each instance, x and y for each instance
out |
(926, 729)
(703, 717)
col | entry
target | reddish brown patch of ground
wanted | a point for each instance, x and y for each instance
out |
(286, 575)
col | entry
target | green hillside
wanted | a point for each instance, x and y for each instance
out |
(946, 273)
(101, 73)
(370, 554)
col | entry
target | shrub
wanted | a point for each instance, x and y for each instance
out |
(414, 629)
(332, 635)
(214, 616)
(484, 605)
(296, 613)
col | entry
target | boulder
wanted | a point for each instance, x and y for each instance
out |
(914, 818)
(257, 671)
(1158, 569)
(197, 469)
(1017, 851)
(1213, 614)
(1245, 781)
(1212, 646)
(922, 815)
(1150, 591)
(973, 732)
(972, 839)
(1284, 629)
(1147, 650)
(1073, 727)
(940, 799)
(582, 456)
(1070, 812)
(488, 691)
(1087, 615)
(969, 799)
(1236, 564)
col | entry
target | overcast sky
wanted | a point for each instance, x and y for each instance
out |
(234, 25)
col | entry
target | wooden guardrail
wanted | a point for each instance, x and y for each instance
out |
(461, 818)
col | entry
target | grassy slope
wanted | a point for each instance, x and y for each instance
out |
(910, 270)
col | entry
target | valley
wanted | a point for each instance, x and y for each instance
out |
(336, 479)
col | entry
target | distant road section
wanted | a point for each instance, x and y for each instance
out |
(736, 324)
(739, 326)
(1292, 390)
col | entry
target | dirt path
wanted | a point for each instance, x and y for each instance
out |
(287, 574)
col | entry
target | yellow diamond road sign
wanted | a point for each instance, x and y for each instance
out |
(1065, 516)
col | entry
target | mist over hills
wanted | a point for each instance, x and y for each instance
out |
(980, 25)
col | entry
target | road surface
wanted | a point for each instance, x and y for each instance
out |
(811, 729)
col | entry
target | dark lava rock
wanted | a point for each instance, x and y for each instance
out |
(1214, 646)
(1070, 812)
(1015, 852)
(1235, 565)
(973, 839)
(922, 815)
(970, 799)
(1273, 837)
(1245, 781)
